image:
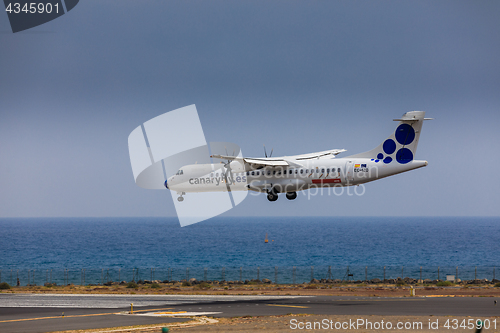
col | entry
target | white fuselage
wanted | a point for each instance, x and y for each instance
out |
(298, 176)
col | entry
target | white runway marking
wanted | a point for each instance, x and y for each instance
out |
(117, 301)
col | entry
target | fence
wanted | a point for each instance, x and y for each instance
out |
(281, 275)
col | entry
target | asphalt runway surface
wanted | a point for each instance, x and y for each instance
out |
(44, 313)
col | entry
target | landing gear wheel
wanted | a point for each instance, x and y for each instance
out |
(180, 199)
(291, 195)
(271, 196)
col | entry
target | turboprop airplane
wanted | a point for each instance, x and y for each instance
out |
(289, 174)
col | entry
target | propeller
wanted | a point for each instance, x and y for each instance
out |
(265, 152)
(229, 171)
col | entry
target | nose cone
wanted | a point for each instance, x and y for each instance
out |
(166, 183)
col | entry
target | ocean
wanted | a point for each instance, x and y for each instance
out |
(233, 248)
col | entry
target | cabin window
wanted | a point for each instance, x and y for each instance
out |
(338, 170)
(301, 170)
(323, 170)
(290, 172)
(296, 171)
(253, 173)
(328, 170)
(317, 170)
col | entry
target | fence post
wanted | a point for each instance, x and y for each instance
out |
(223, 274)
(438, 272)
(475, 273)
(420, 273)
(384, 273)
(293, 274)
(241, 274)
(402, 272)
(258, 273)
(493, 273)
(276, 274)
(187, 274)
(205, 274)
(456, 273)
(366, 273)
(312, 273)
(119, 272)
(329, 272)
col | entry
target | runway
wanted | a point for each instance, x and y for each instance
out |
(44, 313)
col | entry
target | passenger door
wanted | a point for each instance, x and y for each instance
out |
(349, 171)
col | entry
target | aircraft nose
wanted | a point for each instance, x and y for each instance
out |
(166, 183)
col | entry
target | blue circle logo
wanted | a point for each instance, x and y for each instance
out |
(389, 146)
(404, 155)
(387, 160)
(405, 134)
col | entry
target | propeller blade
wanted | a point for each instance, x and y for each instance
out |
(265, 153)
(271, 152)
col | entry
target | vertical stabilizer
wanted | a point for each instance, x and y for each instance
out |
(401, 145)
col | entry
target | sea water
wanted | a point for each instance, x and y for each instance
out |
(230, 248)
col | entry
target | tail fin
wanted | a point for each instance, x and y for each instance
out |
(401, 145)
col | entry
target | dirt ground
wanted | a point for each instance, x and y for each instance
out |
(264, 289)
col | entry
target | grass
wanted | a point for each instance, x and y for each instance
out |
(132, 285)
(203, 285)
(155, 286)
(311, 286)
(497, 285)
(4, 285)
(445, 284)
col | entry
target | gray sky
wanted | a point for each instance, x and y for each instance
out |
(299, 76)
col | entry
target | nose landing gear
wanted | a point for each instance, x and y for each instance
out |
(180, 198)
(291, 195)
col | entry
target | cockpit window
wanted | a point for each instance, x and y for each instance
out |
(180, 172)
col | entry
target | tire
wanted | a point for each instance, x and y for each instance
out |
(272, 196)
(180, 199)
(291, 195)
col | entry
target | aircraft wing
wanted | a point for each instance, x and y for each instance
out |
(255, 161)
(281, 161)
(318, 155)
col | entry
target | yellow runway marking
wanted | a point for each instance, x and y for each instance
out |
(289, 306)
(379, 300)
(170, 312)
(75, 316)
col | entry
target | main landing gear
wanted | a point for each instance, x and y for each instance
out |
(272, 196)
(180, 198)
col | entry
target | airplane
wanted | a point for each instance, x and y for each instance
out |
(290, 174)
